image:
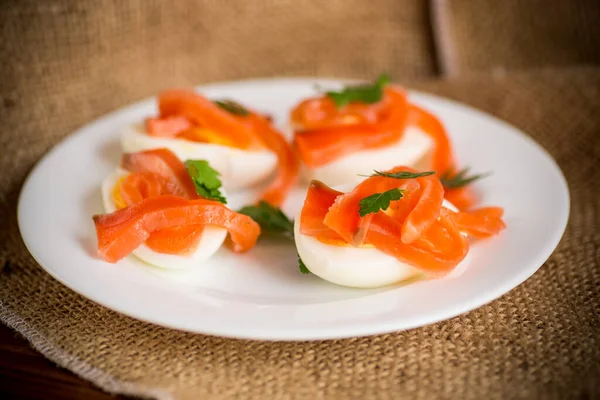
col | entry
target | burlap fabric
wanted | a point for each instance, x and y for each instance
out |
(539, 341)
(86, 58)
(492, 35)
(65, 62)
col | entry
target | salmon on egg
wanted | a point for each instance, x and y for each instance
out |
(210, 240)
(358, 267)
(239, 168)
(413, 148)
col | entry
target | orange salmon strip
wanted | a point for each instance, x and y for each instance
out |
(443, 156)
(178, 240)
(121, 232)
(321, 112)
(168, 127)
(188, 115)
(288, 164)
(481, 223)
(203, 112)
(136, 187)
(324, 133)
(160, 172)
(139, 186)
(344, 219)
(438, 250)
(166, 165)
(316, 205)
(463, 198)
(326, 142)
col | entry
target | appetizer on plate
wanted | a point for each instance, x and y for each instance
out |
(390, 227)
(340, 133)
(167, 213)
(242, 145)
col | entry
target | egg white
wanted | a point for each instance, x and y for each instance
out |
(212, 236)
(411, 150)
(238, 168)
(359, 267)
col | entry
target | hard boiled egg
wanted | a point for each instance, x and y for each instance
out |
(238, 168)
(360, 267)
(211, 240)
(412, 150)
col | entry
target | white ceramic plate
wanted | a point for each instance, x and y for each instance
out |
(261, 294)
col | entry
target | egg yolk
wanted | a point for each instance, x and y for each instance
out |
(204, 135)
(116, 194)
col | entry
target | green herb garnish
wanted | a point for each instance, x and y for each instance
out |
(232, 106)
(206, 180)
(271, 219)
(401, 174)
(361, 93)
(302, 266)
(378, 201)
(460, 179)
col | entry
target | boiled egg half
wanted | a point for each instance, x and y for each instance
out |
(238, 168)
(412, 149)
(211, 240)
(359, 267)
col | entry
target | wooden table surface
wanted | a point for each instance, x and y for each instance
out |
(26, 374)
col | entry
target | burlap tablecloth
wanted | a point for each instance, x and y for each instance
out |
(487, 35)
(540, 340)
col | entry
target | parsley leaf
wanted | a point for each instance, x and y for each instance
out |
(232, 107)
(459, 179)
(206, 180)
(302, 266)
(402, 174)
(362, 93)
(271, 219)
(378, 201)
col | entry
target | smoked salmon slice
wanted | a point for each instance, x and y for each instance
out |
(325, 133)
(481, 223)
(463, 198)
(165, 164)
(159, 172)
(168, 127)
(203, 112)
(188, 115)
(322, 112)
(136, 187)
(288, 164)
(329, 140)
(443, 156)
(177, 240)
(437, 251)
(121, 232)
(437, 245)
(343, 216)
(316, 205)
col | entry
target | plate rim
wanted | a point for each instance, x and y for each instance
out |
(360, 331)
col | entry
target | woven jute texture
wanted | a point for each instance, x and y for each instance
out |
(541, 340)
(487, 35)
(64, 62)
(84, 58)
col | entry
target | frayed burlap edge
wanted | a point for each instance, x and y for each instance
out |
(63, 359)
